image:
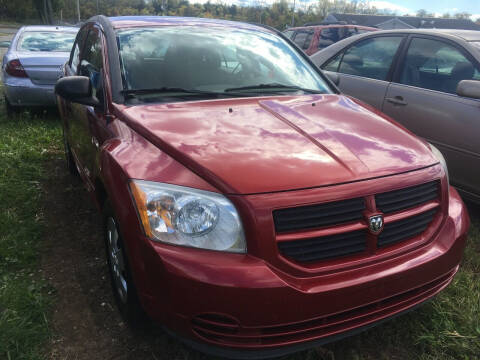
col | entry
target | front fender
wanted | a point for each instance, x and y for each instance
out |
(129, 156)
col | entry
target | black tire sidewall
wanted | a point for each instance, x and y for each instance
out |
(130, 310)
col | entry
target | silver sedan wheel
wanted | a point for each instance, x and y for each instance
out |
(117, 263)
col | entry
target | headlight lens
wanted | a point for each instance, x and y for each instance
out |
(441, 159)
(189, 217)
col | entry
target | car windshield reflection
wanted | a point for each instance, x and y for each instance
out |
(212, 59)
(46, 41)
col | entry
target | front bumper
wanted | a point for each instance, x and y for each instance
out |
(23, 92)
(240, 306)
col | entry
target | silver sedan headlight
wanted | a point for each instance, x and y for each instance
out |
(189, 217)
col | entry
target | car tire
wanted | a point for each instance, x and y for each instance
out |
(124, 289)
(72, 168)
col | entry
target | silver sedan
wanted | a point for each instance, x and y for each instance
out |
(33, 64)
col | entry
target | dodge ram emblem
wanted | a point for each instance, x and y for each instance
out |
(375, 223)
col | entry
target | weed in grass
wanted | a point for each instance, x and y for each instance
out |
(25, 146)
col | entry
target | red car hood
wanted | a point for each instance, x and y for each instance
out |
(258, 145)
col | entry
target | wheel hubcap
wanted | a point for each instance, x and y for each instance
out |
(117, 263)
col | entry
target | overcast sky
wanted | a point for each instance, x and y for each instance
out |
(437, 7)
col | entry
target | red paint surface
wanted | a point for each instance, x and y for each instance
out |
(271, 153)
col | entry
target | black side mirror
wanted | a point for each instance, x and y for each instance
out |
(5, 44)
(77, 89)
(469, 88)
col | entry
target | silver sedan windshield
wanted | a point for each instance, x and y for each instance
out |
(212, 59)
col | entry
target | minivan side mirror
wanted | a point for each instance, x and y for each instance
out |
(5, 44)
(77, 89)
(469, 88)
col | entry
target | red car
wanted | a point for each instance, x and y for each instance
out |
(249, 207)
(314, 38)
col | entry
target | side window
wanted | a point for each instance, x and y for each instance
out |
(371, 58)
(303, 38)
(75, 53)
(436, 65)
(328, 36)
(346, 32)
(308, 40)
(333, 64)
(91, 62)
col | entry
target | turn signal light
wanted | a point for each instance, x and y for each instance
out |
(15, 68)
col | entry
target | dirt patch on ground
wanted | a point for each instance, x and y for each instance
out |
(85, 321)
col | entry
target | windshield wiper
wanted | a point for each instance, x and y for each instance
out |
(168, 90)
(271, 86)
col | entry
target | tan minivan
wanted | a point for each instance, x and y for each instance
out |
(426, 79)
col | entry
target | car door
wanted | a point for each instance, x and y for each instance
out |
(86, 120)
(364, 68)
(423, 98)
(70, 124)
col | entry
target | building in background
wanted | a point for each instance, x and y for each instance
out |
(387, 22)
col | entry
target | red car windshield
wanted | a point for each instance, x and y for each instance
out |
(213, 59)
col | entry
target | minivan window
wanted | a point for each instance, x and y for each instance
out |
(328, 36)
(436, 65)
(46, 41)
(211, 59)
(371, 58)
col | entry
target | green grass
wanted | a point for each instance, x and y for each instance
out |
(25, 146)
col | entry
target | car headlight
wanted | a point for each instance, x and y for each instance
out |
(189, 217)
(441, 159)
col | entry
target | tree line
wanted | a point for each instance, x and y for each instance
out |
(280, 14)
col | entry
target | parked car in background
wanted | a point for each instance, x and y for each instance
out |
(33, 64)
(314, 38)
(428, 80)
(248, 207)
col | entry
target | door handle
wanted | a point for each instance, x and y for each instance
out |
(397, 100)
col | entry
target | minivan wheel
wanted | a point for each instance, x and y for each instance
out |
(72, 168)
(123, 287)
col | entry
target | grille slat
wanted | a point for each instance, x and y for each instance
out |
(407, 198)
(319, 222)
(405, 229)
(325, 247)
(334, 253)
(312, 216)
(314, 241)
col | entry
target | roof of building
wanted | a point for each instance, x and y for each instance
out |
(416, 22)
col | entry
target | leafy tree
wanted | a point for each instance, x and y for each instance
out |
(463, 15)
